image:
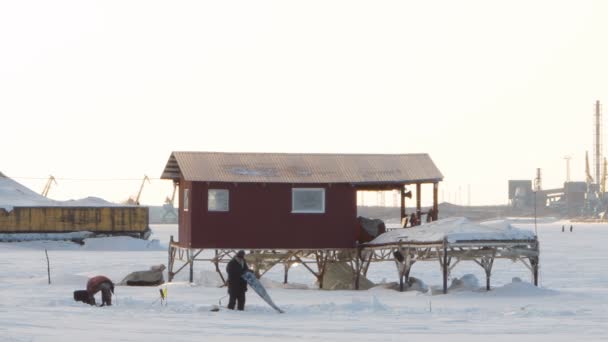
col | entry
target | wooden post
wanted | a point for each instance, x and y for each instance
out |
(321, 264)
(171, 259)
(445, 267)
(216, 262)
(534, 263)
(435, 201)
(487, 281)
(488, 269)
(408, 267)
(418, 199)
(403, 214)
(48, 265)
(286, 265)
(358, 262)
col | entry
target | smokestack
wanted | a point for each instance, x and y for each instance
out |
(597, 147)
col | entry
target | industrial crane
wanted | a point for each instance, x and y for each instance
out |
(168, 207)
(47, 186)
(135, 200)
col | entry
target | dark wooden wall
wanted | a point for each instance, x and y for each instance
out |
(260, 217)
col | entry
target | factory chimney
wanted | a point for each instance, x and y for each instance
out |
(597, 143)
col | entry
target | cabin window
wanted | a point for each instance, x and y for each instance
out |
(217, 200)
(186, 199)
(308, 200)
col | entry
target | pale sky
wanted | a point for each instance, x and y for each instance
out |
(93, 91)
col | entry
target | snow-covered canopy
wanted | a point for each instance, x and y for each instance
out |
(14, 194)
(455, 229)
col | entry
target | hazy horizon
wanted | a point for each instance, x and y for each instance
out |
(98, 94)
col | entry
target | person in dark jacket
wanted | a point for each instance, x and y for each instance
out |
(237, 286)
(103, 284)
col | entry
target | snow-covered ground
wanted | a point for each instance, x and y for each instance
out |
(570, 305)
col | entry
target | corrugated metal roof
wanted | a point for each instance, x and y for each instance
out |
(301, 168)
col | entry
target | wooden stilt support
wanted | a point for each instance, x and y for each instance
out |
(486, 263)
(286, 265)
(170, 273)
(321, 264)
(488, 274)
(403, 213)
(216, 262)
(534, 262)
(445, 266)
(435, 201)
(358, 267)
(367, 262)
(404, 265)
(418, 201)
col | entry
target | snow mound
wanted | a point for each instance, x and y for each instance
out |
(415, 284)
(90, 201)
(454, 229)
(271, 284)
(121, 243)
(518, 288)
(13, 194)
(468, 282)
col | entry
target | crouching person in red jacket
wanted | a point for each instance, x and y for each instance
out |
(94, 285)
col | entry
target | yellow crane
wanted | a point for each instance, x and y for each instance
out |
(172, 199)
(169, 213)
(47, 186)
(135, 200)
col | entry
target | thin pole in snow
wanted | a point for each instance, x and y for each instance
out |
(48, 265)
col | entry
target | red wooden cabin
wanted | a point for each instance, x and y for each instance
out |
(284, 201)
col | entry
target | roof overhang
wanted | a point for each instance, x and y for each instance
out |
(373, 171)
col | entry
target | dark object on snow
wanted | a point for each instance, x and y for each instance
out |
(152, 277)
(570, 227)
(237, 286)
(369, 228)
(81, 296)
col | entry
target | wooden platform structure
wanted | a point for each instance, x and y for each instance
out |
(481, 246)
(449, 254)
